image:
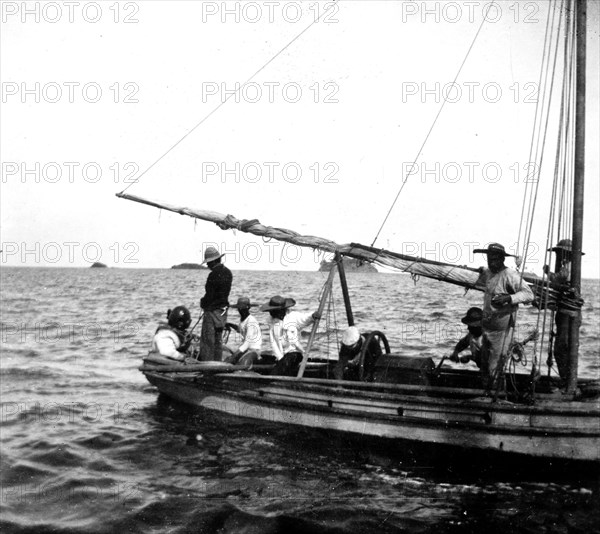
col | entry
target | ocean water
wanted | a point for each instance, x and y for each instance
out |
(89, 446)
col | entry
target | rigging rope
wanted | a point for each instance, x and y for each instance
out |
(237, 91)
(539, 151)
(433, 124)
(535, 123)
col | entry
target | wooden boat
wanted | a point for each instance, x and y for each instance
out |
(406, 398)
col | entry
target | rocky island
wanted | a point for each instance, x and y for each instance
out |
(189, 266)
(351, 265)
(98, 265)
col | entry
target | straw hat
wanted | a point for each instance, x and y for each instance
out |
(473, 318)
(278, 303)
(493, 248)
(243, 303)
(211, 254)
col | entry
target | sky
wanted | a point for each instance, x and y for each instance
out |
(339, 99)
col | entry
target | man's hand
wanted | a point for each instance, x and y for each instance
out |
(232, 326)
(316, 316)
(453, 357)
(501, 300)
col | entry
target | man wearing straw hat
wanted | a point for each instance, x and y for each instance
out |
(249, 330)
(284, 332)
(561, 278)
(472, 340)
(214, 303)
(504, 291)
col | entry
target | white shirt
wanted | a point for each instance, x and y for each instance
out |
(507, 281)
(285, 335)
(166, 342)
(251, 334)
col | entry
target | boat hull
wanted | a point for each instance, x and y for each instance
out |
(423, 414)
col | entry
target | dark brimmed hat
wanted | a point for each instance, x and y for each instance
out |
(243, 303)
(563, 244)
(473, 318)
(278, 303)
(211, 254)
(494, 248)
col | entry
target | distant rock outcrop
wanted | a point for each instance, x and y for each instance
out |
(351, 265)
(189, 266)
(98, 265)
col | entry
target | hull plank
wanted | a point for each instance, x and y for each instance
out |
(552, 430)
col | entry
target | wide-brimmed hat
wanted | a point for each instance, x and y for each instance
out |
(211, 254)
(494, 248)
(243, 303)
(278, 303)
(350, 336)
(473, 318)
(563, 244)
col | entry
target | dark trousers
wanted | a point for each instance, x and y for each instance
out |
(561, 344)
(288, 365)
(211, 342)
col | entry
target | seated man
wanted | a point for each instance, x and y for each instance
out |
(472, 340)
(170, 340)
(284, 332)
(249, 329)
(348, 359)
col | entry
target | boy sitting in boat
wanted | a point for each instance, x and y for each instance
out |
(284, 333)
(249, 329)
(171, 340)
(472, 340)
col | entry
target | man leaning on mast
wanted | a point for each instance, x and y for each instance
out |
(504, 290)
(561, 279)
(214, 303)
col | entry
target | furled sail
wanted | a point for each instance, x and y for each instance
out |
(459, 275)
(453, 274)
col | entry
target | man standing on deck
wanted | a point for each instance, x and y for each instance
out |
(504, 291)
(214, 303)
(560, 279)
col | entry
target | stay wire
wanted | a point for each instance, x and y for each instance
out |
(234, 93)
(541, 148)
(433, 124)
(535, 121)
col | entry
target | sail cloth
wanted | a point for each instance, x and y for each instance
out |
(459, 275)
(462, 276)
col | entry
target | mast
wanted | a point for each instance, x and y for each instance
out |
(340, 266)
(577, 238)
